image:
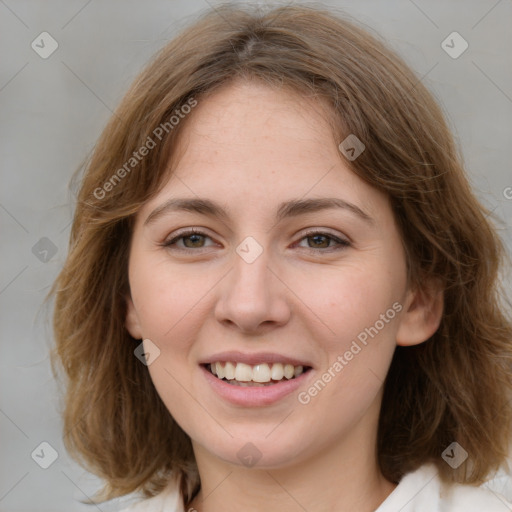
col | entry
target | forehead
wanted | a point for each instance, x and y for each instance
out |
(250, 143)
(261, 110)
(253, 129)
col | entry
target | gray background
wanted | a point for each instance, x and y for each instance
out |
(52, 111)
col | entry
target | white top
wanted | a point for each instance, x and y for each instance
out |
(419, 491)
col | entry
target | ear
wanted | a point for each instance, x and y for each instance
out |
(132, 320)
(423, 310)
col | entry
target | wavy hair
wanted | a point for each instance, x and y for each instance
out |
(454, 387)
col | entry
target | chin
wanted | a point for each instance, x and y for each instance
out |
(258, 451)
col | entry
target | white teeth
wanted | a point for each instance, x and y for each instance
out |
(288, 371)
(229, 371)
(277, 371)
(243, 374)
(219, 370)
(261, 373)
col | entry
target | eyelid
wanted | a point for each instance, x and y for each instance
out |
(188, 231)
(184, 232)
(325, 231)
(341, 241)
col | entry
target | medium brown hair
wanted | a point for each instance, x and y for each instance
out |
(454, 387)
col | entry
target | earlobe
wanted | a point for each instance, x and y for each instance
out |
(132, 320)
(422, 315)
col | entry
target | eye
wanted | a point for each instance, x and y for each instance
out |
(195, 239)
(190, 240)
(323, 240)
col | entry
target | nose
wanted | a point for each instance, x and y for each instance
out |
(252, 298)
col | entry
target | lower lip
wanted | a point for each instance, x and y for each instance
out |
(254, 396)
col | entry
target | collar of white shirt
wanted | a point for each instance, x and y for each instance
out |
(423, 491)
(419, 491)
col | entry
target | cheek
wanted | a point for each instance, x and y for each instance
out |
(167, 299)
(356, 306)
(171, 306)
(358, 353)
(349, 300)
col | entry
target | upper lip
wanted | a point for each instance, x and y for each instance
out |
(253, 359)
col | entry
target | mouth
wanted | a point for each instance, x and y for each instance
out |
(257, 375)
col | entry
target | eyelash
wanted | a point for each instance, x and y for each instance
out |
(341, 243)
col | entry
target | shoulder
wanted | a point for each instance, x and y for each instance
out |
(169, 500)
(423, 491)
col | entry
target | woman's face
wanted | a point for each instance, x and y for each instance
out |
(296, 263)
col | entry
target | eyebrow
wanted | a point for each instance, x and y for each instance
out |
(286, 209)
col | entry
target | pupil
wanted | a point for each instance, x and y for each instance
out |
(318, 239)
(194, 239)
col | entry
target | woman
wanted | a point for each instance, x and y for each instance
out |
(280, 291)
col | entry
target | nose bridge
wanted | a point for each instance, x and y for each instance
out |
(252, 295)
(250, 282)
(251, 271)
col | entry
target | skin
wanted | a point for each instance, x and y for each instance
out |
(250, 147)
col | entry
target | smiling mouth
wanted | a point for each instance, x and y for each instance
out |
(258, 375)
